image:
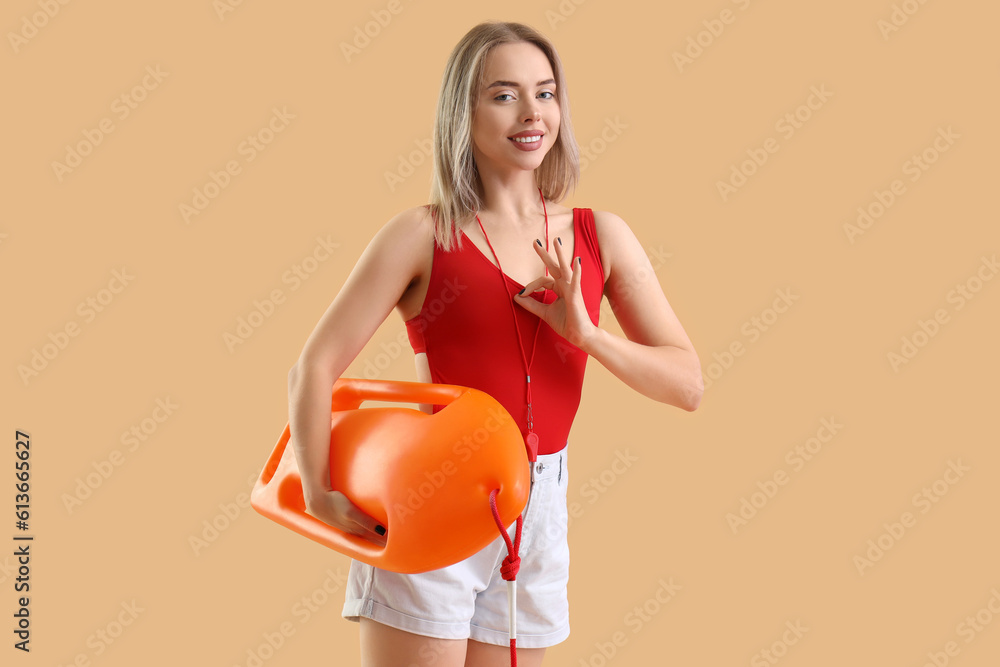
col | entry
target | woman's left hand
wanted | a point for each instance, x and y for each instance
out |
(567, 315)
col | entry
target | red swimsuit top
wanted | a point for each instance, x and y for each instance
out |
(466, 329)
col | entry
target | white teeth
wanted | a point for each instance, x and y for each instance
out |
(527, 140)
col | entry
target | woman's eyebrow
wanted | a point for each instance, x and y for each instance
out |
(514, 84)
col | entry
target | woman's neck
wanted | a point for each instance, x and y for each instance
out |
(518, 208)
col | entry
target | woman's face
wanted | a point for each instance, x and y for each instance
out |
(519, 96)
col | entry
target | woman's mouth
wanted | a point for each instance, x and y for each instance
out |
(528, 143)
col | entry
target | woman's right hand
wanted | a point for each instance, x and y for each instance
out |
(335, 509)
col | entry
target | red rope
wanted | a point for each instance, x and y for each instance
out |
(531, 446)
(512, 562)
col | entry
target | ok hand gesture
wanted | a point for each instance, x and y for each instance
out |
(567, 315)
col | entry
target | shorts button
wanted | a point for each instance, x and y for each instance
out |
(540, 467)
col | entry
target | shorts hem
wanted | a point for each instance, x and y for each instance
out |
(524, 640)
(354, 610)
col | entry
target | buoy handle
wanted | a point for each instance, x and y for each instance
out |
(349, 393)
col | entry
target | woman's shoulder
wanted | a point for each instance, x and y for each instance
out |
(414, 222)
(610, 226)
(404, 235)
(614, 236)
(607, 218)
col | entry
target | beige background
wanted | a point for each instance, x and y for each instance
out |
(720, 262)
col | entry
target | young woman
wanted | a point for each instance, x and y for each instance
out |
(495, 282)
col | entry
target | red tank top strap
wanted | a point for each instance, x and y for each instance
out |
(589, 248)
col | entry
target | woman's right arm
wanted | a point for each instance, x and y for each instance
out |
(381, 276)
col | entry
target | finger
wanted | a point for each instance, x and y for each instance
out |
(552, 265)
(577, 271)
(374, 530)
(561, 251)
(531, 305)
(368, 532)
(375, 538)
(369, 527)
(545, 282)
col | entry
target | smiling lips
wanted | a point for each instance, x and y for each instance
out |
(527, 141)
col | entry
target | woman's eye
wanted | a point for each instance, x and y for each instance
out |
(551, 95)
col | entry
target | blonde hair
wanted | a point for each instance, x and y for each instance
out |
(456, 187)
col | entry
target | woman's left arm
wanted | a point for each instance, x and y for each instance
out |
(657, 359)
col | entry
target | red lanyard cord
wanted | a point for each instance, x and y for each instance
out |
(512, 562)
(508, 570)
(532, 438)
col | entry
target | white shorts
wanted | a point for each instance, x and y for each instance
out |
(468, 600)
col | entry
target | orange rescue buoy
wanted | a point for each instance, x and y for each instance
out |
(426, 478)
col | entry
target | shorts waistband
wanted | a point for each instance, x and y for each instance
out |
(547, 466)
